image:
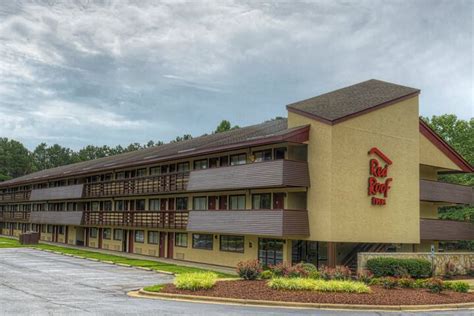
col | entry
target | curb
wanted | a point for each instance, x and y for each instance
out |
(224, 300)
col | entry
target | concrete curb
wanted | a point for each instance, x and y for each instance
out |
(233, 301)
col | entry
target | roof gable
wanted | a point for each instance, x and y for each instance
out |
(342, 104)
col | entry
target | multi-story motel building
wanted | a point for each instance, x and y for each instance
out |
(348, 171)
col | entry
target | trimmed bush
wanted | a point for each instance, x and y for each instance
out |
(420, 283)
(385, 266)
(195, 281)
(457, 286)
(389, 282)
(305, 284)
(249, 270)
(365, 276)
(154, 288)
(435, 285)
(266, 275)
(407, 283)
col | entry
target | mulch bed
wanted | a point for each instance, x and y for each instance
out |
(258, 290)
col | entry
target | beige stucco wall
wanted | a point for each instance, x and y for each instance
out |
(430, 155)
(338, 204)
(428, 210)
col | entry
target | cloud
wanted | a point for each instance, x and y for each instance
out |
(118, 72)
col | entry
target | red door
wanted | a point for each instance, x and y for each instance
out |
(171, 204)
(86, 233)
(66, 233)
(162, 244)
(100, 238)
(170, 245)
(223, 202)
(163, 205)
(130, 241)
(278, 200)
(211, 202)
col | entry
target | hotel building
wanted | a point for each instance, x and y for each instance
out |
(349, 171)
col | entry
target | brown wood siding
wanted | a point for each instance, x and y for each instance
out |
(277, 223)
(56, 218)
(436, 229)
(57, 193)
(277, 173)
(434, 191)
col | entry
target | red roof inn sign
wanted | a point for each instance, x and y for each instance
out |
(379, 183)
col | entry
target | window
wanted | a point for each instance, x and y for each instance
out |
(224, 161)
(93, 233)
(202, 241)
(183, 167)
(237, 202)
(213, 162)
(155, 171)
(261, 201)
(50, 229)
(200, 203)
(240, 159)
(71, 206)
(107, 205)
(263, 155)
(232, 243)
(279, 153)
(120, 175)
(154, 205)
(141, 172)
(118, 234)
(119, 205)
(153, 238)
(107, 233)
(43, 228)
(140, 205)
(61, 230)
(181, 203)
(139, 236)
(95, 206)
(200, 164)
(181, 239)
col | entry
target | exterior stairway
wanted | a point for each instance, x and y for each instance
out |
(351, 259)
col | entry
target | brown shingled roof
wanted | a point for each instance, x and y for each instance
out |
(339, 105)
(267, 132)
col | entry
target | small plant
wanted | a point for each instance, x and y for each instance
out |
(434, 285)
(450, 270)
(195, 281)
(406, 282)
(389, 282)
(305, 284)
(419, 283)
(457, 286)
(375, 281)
(266, 275)
(337, 273)
(287, 270)
(309, 267)
(249, 270)
(365, 276)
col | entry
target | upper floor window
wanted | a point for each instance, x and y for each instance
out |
(154, 205)
(239, 159)
(181, 203)
(140, 205)
(261, 201)
(200, 164)
(279, 153)
(237, 202)
(141, 172)
(213, 162)
(200, 203)
(155, 171)
(183, 167)
(263, 155)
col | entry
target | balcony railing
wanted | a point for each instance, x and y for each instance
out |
(14, 216)
(438, 229)
(172, 182)
(15, 196)
(434, 191)
(141, 219)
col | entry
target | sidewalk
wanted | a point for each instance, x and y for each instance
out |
(142, 257)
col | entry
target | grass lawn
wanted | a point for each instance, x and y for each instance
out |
(9, 243)
(154, 288)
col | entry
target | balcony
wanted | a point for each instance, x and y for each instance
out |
(172, 182)
(434, 191)
(138, 219)
(277, 223)
(437, 229)
(56, 218)
(57, 193)
(276, 173)
(15, 196)
(14, 216)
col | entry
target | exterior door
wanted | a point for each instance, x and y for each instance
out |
(170, 245)
(278, 201)
(270, 251)
(66, 234)
(100, 238)
(162, 244)
(223, 202)
(211, 202)
(124, 240)
(130, 241)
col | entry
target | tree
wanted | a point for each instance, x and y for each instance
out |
(15, 159)
(225, 126)
(182, 138)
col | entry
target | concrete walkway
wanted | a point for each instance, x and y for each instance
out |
(142, 257)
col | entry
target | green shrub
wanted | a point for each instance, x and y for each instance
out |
(389, 282)
(365, 276)
(375, 281)
(266, 275)
(195, 281)
(457, 286)
(384, 266)
(407, 283)
(337, 273)
(435, 285)
(420, 283)
(305, 284)
(249, 270)
(314, 275)
(309, 267)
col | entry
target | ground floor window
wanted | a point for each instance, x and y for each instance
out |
(232, 243)
(153, 237)
(181, 239)
(61, 230)
(43, 228)
(203, 241)
(50, 229)
(270, 251)
(107, 233)
(309, 251)
(118, 234)
(93, 233)
(139, 236)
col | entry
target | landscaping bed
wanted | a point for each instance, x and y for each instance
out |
(258, 290)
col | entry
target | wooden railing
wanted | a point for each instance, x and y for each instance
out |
(145, 219)
(14, 215)
(15, 196)
(171, 182)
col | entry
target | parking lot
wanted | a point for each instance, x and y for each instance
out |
(33, 282)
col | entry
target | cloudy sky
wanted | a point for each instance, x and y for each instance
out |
(103, 72)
